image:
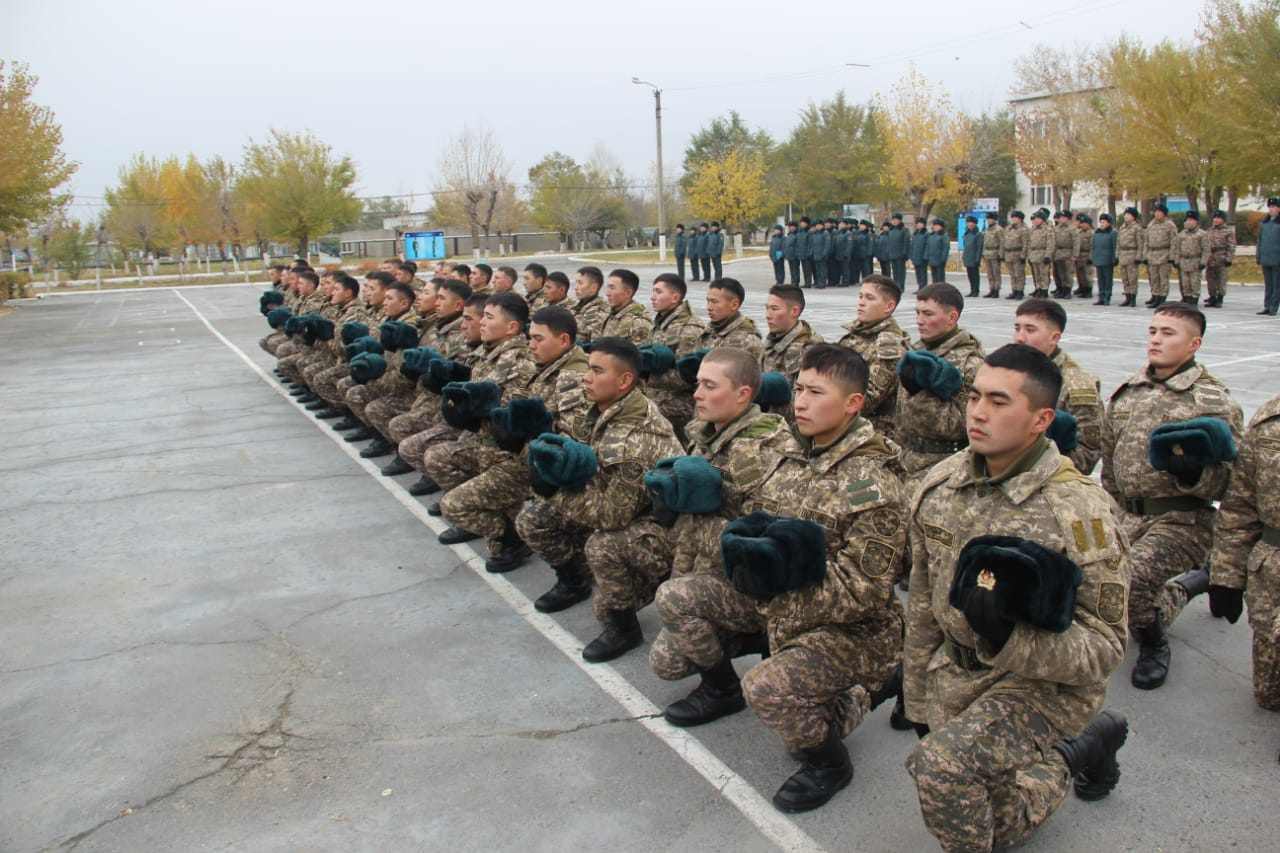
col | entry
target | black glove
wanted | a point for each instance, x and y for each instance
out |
(663, 514)
(540, 487)
(1225, 602)
(980, 612)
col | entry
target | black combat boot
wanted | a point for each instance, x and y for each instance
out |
(825, 771)
(456, 535)
(1130, 301)
(329, 413)
(719, 695)
(512, 554)
(573, 584)
(424, 486)
(1152, 667)
(991, 294)
(396, 467)
(380, 447)
(1091, 758)
(1157, 301)
(362, 433)
(317, 404)
(1192, 301)
(348, 422)
(974, 291)
(310, 397)
(621, 634)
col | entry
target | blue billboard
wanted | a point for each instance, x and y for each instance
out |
(424, 246)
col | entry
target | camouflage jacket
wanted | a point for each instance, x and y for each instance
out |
(1066, 238)
(923, 419)
(1222, 245)
(1161, 235)
(1082, 397)
(881, 345)
(746, 452)
(853, 489)
(681, 330)
(450, 340)
(1041, 245)
(782, 353)
(590, 314)
(629, 437)
(393, 382)
(1046, 500)
(631, 321)
(1084, 245)
(993, 243)
(1191, 249)
(1143, 403)
(1131, 243)
(352, 312)
(737, 331)
(559, 384)
(1016, 243)
(537, 299)
(1242, 557)
(511, 368)
(427, 403)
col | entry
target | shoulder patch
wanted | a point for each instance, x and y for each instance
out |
(878, 558)
(862, 492)
(631, 471)
(1111, 602)
(938, 534)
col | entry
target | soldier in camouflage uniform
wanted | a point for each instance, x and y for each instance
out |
(557, 291)
(931, 428)
(728, 326)
(507, 363)
(1222, 253)
(626, 318)
(1003, 705)
(1167, 514)
(1246, 549)
(705, 621)
(590, 309)
(1065, 251)
(606, 528)
(1041, 246)
(488, 503)
(788, 337)
(1160, 234)
(535, 283)
(333, 383)
(347, 308)
(392, 384)
(677, 327)
(1084, 256)
(276, 281)
(1015, 248)
(1040, 323)
(1191, 255)
(403, 390)
(1131, 250)
(992, 252)
(876, 336)
(310, 301)
(291, 365)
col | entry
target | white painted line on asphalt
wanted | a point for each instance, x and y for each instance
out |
(750, 803)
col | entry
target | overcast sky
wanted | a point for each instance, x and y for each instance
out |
(389, 82)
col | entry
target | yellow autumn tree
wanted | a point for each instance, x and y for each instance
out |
(730, 188)
(927, 143)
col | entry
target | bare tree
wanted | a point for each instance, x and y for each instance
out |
(473, 181)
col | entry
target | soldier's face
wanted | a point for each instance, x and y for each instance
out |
(584, 287)
(664, 297)
(340, 295)
(616, 293)
(873, 306)
(273, 275)
(555, 292)
(374, 293)
(934, 319)
(606, 380)
(1190, 224)
(780, 315)
(716, 399)
(823, 406)
(721, 305)
(500, 281)
(448, 303)
(426, 301)
(1035, 332)
(471, 324)
(395, 302)
(532, 283)
(403, 276)
(1171, 341)
(495, 326)
(546, 346)
(1000, 419)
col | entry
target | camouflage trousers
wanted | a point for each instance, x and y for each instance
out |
(1084, 276)
(1158, 277)
(379, 412)
(329, 384)
(993, 274)
(1162, 547)
(1129, 278)
(287, 348)
(292, 364)
(1017, 266)
(487, 502)
(452, 464)
(820, 681)
(273, 340)
(988, 777)
(1266, 669)
(414, 448)
(357, 398)
(1189, 280)
(627, 564)
(1040, 275)
(699, 614)
(1062, 270)
(1216, 278)
(312, 371)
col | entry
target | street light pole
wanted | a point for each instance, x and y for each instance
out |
(662, 217)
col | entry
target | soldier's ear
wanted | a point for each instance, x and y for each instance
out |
(1044, 417)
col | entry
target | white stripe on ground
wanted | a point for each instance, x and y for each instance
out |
(755, 808)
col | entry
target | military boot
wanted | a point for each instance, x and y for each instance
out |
(991, 294)
(329, 413)
(1091, 758)
(1192, 301)
(1130, 301)
(974, 291)
(1157, 301)
(317, 404)
(424, 486)
(396, 467)
(362, 433)
(310, 397)
(1152, 667)
(380, 447)
(512, 554)
(573, 584)
(719, 695)
(825, 771)
(348, 422)
(621, 634)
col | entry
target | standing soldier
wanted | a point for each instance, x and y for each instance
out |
(1131, 250)
(1103, 256)
(1041, 245)
(937, 249)
(920, 252)
(1064, 253)
(1015, 251)
(715, 251)
(1268, 257)
(971, 256)
(1222, 253)
(876, 336)
(681, 248)
(791, 252)
(802, 250)
(1246, 549)
(777, 254)
(1006, 685)
(1161, 234)
(1168, 438)
(819, 251)
(693, 247)
(1084, 256)
(1191, 255)
(861, 251)
(897, 250)
(844, 253)
(882, 253)
(992, 246)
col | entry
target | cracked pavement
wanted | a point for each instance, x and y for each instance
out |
(219, 632)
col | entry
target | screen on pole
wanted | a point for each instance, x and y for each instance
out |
(424, 246)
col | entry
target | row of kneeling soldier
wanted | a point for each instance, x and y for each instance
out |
(767, 493)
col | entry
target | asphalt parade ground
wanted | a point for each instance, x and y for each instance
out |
(221, 629)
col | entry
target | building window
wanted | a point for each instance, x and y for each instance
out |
(1041, 194)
